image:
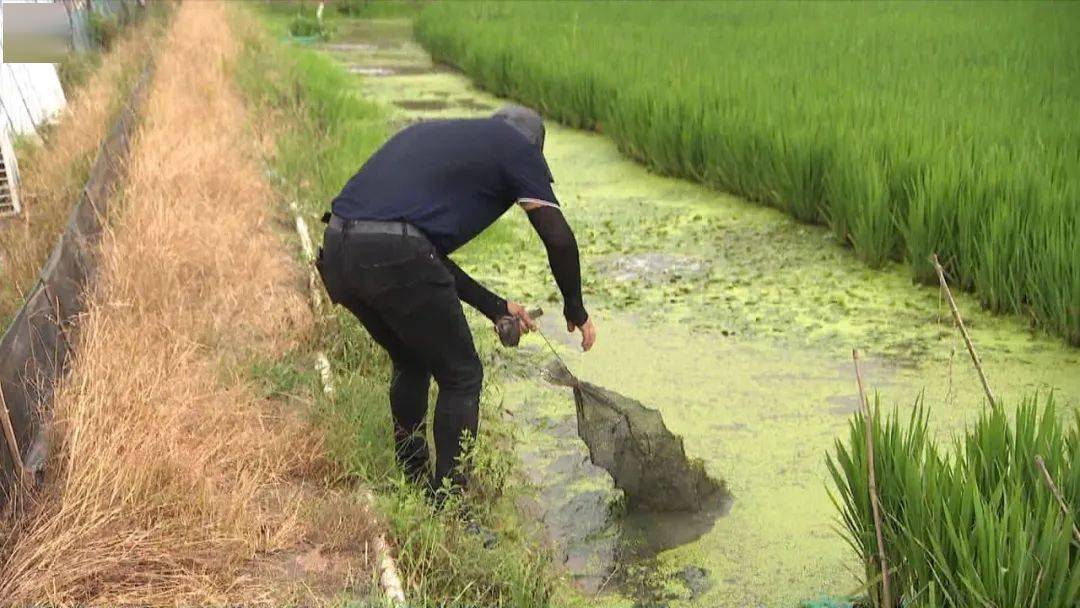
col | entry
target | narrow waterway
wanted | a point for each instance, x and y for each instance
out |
(736, 323)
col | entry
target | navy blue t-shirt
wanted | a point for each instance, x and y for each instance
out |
(449, 178)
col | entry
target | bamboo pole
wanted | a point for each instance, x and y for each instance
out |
(309, 257)
(1057, 494)
(963, 330)
(9, 436)
(388, 572)
(875, 504)
(323, 365)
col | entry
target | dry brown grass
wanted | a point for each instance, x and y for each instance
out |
(53, 174)
(171, 484)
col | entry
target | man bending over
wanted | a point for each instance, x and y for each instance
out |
(429, 190)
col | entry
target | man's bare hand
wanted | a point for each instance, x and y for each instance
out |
(588, 333)
(524, 320)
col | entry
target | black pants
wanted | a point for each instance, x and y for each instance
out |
(399, 289)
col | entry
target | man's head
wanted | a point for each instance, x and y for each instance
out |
(526, 121)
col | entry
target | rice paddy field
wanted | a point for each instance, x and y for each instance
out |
(908, 128)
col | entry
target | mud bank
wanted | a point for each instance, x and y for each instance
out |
(735, 322)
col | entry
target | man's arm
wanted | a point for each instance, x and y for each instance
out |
(474, 294)
(530, 186)
(563, 257)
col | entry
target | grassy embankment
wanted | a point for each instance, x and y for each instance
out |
(909, 129)
(173, 478)
(318, 131)
(54, 170)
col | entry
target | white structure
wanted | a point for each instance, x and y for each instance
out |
(9, 177)
(30, 96)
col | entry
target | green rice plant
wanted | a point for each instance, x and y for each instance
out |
(926, 224)
(864, 187)
(974, 525)
(910, 128)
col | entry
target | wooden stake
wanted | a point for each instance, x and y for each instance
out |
(1057, 494)
(388, 572)
(322, 365)
(963, 330)
(309, 256)
(9, 436)
(874, 503)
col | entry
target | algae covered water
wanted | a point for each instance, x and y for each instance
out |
(736, 323)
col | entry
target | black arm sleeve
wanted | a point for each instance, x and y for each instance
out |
(474, 294)
(562, 250)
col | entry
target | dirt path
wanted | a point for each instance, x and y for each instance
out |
(173, 481)
(733, 320)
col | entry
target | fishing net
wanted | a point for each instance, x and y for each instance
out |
(646, 460)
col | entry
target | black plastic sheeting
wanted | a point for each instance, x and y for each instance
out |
(36, 346)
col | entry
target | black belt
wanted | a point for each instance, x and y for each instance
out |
(374, 227)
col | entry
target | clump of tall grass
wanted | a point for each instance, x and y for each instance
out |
(307, 23)
(974, 525)
(104, 28)
(909, 128)
(319, 131)
(303, 26)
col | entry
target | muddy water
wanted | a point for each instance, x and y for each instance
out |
(735, 322)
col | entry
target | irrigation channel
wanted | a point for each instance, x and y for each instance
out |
(737, 324)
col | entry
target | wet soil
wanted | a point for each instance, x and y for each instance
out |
(736, 323)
